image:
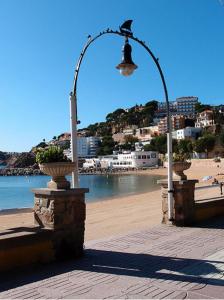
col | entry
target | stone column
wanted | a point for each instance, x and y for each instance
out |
(184, 202)
(64, 213)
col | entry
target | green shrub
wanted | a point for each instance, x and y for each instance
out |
(50, 154)
(181, 157)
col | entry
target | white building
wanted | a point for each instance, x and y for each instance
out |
(205, 119)
(86, 147)
(186, 133)
(91, 163)
(135, 159)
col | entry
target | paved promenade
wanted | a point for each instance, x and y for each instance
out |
(162, 262)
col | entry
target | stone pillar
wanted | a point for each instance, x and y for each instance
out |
(64, 213)
(184, 202)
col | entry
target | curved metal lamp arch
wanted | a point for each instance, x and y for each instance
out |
(73, 108)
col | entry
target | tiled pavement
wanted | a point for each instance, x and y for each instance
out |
(162, 262)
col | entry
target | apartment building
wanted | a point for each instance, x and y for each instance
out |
(178, 122)
(162, 108)
(87, 146)
(182, 106)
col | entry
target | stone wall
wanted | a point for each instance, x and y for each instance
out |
(183, 211)
(187, 211)
(64, 212)
(58, 232)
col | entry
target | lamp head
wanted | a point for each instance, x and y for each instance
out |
(127, 65)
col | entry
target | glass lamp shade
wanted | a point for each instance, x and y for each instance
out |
(126, 69)
(127, 65)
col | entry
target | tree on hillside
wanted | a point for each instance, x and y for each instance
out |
(153, 104)
(106, 147)
(149, 147)
(221, 138)
(92, 129)
(64, 144)
(103, 129)
(129, 144)
(130, 139)
(115, 116)
(199, 107)
(218, 118)
(147, 115)
(175, 146)
(159, 144)
(41, 145)
(199, 145)
(185, 146)
(209, 142)
(141, 116)
(3, 156)
(205, 144)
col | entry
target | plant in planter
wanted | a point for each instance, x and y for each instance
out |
(53, 162)
(181, 162)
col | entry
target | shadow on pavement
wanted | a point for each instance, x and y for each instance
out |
(122, 264)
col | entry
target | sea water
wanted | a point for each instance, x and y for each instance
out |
(15, 191)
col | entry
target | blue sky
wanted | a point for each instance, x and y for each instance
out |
(41, 41)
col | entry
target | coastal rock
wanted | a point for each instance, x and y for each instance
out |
(22, 160)
(19, 172)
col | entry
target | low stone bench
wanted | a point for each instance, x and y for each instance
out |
(58, 232)
(209, 208)
(22, 246)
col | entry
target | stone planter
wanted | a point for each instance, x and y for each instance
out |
(58, 170)
(179, 167)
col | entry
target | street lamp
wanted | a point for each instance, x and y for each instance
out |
(126, 68)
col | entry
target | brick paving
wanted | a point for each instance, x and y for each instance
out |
(164, 262)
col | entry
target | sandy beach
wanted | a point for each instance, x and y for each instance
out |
(123, 214)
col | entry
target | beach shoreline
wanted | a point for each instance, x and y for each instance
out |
(125, 213)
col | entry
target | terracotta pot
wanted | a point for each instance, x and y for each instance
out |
(58, 170)
(179, 167)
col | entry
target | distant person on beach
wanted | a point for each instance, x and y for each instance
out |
(215, 181)
(221, 185)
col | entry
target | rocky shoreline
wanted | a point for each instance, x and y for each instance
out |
(19, 172)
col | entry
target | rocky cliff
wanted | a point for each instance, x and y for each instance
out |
(17, 160)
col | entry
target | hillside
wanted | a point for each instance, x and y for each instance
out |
(139, 115)
(17, 160)
(3, 157)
